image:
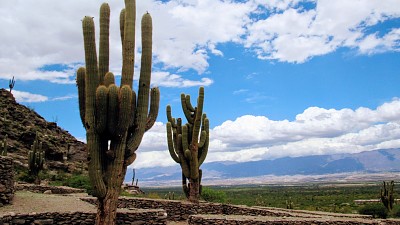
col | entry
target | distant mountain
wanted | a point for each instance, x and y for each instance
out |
(377, 161)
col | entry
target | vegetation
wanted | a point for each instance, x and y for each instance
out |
(11, 84)
(114, 114)
(35, 160)
(337, 198)
(185, 146)
(213, 195)
(374, 210)
(387, 197)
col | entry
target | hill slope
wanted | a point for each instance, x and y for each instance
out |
(20, 124)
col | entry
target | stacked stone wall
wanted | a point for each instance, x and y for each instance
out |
(44, 188)
(6, 180)
(151, 217)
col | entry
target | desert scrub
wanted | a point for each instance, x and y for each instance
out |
(213, 195)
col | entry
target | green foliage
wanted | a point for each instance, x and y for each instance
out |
(374, 210)
(75, 180)
(213, 195)
(395, 211)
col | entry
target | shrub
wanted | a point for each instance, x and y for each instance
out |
(212, 195)
(395, 211)
(375, 210)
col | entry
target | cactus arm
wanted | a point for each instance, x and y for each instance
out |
(171, 148)
(128, 46)
(104, 53)
(91, 74)
(189, 104)
(203, 150)
(186, 111)
(125, 107)
(80, 82)
(198, 117)
(154, 106)
(170, 118)
(113, 91)
(122, 25)
(144, 85)
(101, 108)
(109, 79)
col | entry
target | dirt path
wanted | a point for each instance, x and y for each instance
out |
(28, 202)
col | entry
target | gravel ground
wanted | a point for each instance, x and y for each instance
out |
(28, 202)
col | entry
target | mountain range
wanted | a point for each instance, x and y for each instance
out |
(368, 162)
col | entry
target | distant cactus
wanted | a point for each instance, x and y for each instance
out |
(115, 118)
(11, 84)
(3, 146)
(387, 197)
(36, 160)
(188, 144)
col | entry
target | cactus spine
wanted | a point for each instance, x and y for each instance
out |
(387, 197)
(36, 159)
(3, 146)
(112, 114)
(188, 144)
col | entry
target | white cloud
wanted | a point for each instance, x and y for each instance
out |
(21, 96)
(167, 79)
(296, 34)
(187, 32)
(316, 131)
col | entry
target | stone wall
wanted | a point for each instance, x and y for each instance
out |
(181, 210)
(43, 188)
(256, 220)
(6, 180)
(152, 217)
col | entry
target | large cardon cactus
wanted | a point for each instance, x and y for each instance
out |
(188, 144)
(115, 117)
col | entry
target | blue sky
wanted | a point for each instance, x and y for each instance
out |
(282, 77)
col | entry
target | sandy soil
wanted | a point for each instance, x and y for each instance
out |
(28, 202)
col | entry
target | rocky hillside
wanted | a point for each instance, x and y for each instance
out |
(20, 124)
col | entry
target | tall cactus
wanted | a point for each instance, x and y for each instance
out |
(3, 146)
(115, 118)
(188, 144)
(36, 159)
(387, 197)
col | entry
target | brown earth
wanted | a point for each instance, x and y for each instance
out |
(29, 202)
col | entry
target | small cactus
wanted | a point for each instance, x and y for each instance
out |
(387, 197)
(11, 84)
(3, 146)
(36, 160)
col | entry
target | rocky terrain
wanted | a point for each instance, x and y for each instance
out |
(63, 152)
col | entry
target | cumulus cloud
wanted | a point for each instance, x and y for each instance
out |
(315, 131)
(188, 32)
(27, 97)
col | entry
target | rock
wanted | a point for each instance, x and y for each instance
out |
(48, 192)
